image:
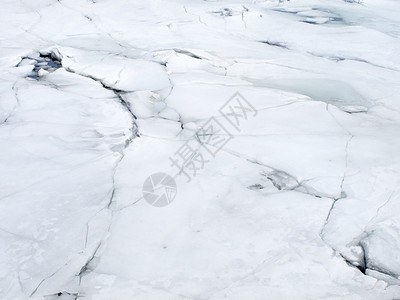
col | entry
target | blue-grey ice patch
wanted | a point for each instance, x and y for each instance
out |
(45, 61)
(335, 92)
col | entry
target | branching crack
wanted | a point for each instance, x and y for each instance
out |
(283, 180)
(15, 89)
(118, 93)
(134, 133)
(343, 194)
(360, 60)
(46, 278)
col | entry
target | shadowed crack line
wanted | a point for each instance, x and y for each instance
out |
(46, 278)
(134, 133)
(284, 181)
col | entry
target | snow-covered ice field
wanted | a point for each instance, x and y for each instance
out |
(294, 194)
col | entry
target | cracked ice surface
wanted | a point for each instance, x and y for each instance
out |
(302, 203)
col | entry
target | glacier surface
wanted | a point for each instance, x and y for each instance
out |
(298, 198)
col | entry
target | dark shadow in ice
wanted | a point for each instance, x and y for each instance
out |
(275, 44)
(187, 53)
(311, 22)
(380, 251)
(48, 62)
(62, 296)
(358, 260)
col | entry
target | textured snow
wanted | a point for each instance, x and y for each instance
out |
(302, 203)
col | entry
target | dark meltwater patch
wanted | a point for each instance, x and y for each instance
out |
(46, 61)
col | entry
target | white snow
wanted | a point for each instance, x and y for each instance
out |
(303, 200)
